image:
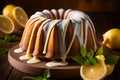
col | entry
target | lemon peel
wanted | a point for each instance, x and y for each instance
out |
(111, 38)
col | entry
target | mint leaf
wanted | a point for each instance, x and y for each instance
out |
(45, 76)
(38, 78)
(111, 59)
(90, 54)
(46, 73)
(83, 51)
(3, 50)
(86, 62)
(78, 59)
(93, 61)
(10, 38)
(100, 51)
(87, 58)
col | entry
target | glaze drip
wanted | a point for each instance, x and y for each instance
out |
(59, 19)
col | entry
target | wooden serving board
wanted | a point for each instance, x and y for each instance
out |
(70, 71)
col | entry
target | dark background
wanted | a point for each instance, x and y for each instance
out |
(105, 14)
(32, 6)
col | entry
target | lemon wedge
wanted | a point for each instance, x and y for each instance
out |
(6, 25)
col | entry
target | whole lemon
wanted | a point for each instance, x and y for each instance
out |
(111, 38)
(8, 10)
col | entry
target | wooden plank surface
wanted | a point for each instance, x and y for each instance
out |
(7, 72)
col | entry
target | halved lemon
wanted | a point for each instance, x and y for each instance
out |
(17, 14)
(20, 16)
(91, 72)
(6, 25)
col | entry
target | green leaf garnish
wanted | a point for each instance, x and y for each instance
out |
(87, 58)
(83, 51)
(3, 50)
(10, 38)
(90, 54)
(93, 61)
(79, 59)
(111, 59)
(100, 51)
(47, 73)
(39, 78)
(45, 76)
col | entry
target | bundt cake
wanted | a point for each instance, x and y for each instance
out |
(57, 34)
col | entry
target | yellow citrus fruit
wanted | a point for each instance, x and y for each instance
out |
(8, 10)
(110, 69)
(100, 57)
(17, 14)
(6, 25)
(91, 72)
(111, 38)
(20, 16)
(97, 72)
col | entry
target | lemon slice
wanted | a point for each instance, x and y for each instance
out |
(6, 25)
(96, 72)
(110, 69)
(20, 16)
(17, 14)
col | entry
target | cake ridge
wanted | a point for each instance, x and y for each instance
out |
(67, 29)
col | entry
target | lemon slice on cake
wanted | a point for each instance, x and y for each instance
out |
(17, 14)
(6, 25)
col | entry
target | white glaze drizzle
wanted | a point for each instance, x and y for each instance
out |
(69, 47)
(38, 15)
(78, 32)
(18, 50)
(55, 64)
(48, 13)
(35, 59)
(63, 35)
(48, 35)
(28, 54)
(92, 30)
(60, 11)
(54, 12)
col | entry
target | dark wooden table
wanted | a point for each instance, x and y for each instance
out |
(103, 21)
